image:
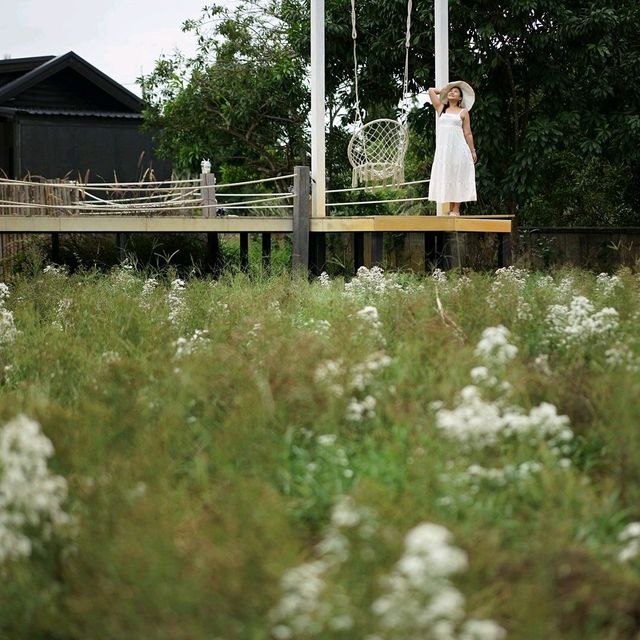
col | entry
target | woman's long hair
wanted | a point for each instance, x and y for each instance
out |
(446, 104)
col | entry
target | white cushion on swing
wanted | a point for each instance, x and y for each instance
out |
(376, 152)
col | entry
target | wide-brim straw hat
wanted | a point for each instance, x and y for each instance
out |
(468, 94)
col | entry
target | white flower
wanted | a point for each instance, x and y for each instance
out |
(578, 323)
(482, 630)
(631, 531)
(369, 314)
(197, 341)
(608, 284)
(29, 494)
(345, 513)
(324, 280)
(439, 276)
(8, 331)
(327, 439)
(494, 347)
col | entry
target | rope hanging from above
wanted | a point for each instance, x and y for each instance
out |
(377, 149)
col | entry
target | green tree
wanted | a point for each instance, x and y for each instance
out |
(241, 101)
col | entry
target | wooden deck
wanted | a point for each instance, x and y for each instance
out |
(229, 224)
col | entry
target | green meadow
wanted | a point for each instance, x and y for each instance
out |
(393, 457)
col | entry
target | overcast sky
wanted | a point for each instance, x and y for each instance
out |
(119, 37)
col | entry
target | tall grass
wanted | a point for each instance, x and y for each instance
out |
(215, 436)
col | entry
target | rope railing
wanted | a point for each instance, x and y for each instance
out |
(353, 204)
(102, 185)
(378, 186)
(177, 197)
(241, 184)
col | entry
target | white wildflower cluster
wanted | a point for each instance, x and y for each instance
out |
(420, 600)
(566, 288)
(479, 422)
(476, 475)
(508, 279)
(578, 323)
(524, 313)
(371, 321)
(310, 605)
(31, 497)
(371, 283)
(319, 327)
(494, 348)
(110, 357)
(4, 294)
(56, 270)
(355, 381)
(175, 300)
(123, 274)
(608, 284)
(62, 310)
(359, 409)
(324, 280)
(187, 346)
(461, 284)
(620, 355)
(544, 282)
(630, 537)
(8, 331)
(439, 276)
(149, 286)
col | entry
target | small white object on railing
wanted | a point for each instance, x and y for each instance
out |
(206, 166)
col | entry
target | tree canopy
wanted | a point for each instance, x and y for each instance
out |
(556, 122)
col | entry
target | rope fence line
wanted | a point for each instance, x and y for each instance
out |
(98, 185)
(377, 186)
(240, 184)
(252, 195)
(166, 199)
(261, 206)
(353, 204)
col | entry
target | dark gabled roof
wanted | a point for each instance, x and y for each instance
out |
(22, 65)
(52, 65)
(75, 114)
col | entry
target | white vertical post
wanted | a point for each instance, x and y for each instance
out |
(317, 108)
(441, 24)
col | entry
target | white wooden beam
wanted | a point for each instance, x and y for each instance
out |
(318, 108)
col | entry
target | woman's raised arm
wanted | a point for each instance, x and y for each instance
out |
(434, 95)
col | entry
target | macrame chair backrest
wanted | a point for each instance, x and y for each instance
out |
(376, 152)
(377, 149)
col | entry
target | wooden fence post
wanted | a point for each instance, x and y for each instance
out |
(301, 192)
(209, 206)
(504, 250)
(208, 194)
(244, 251)
(317, 252)
(434, 256)
(358, 250)
(266, 250)
(377, 248)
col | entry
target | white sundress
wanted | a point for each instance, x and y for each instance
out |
(453, 175)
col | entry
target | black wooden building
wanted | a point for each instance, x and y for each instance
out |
(60, 116)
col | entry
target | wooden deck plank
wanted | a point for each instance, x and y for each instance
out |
(139, 224)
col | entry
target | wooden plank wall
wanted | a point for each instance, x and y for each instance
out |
(38, 192)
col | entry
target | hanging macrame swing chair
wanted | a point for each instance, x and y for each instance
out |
(377, 148)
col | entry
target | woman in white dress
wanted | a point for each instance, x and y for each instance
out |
(453, 175)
